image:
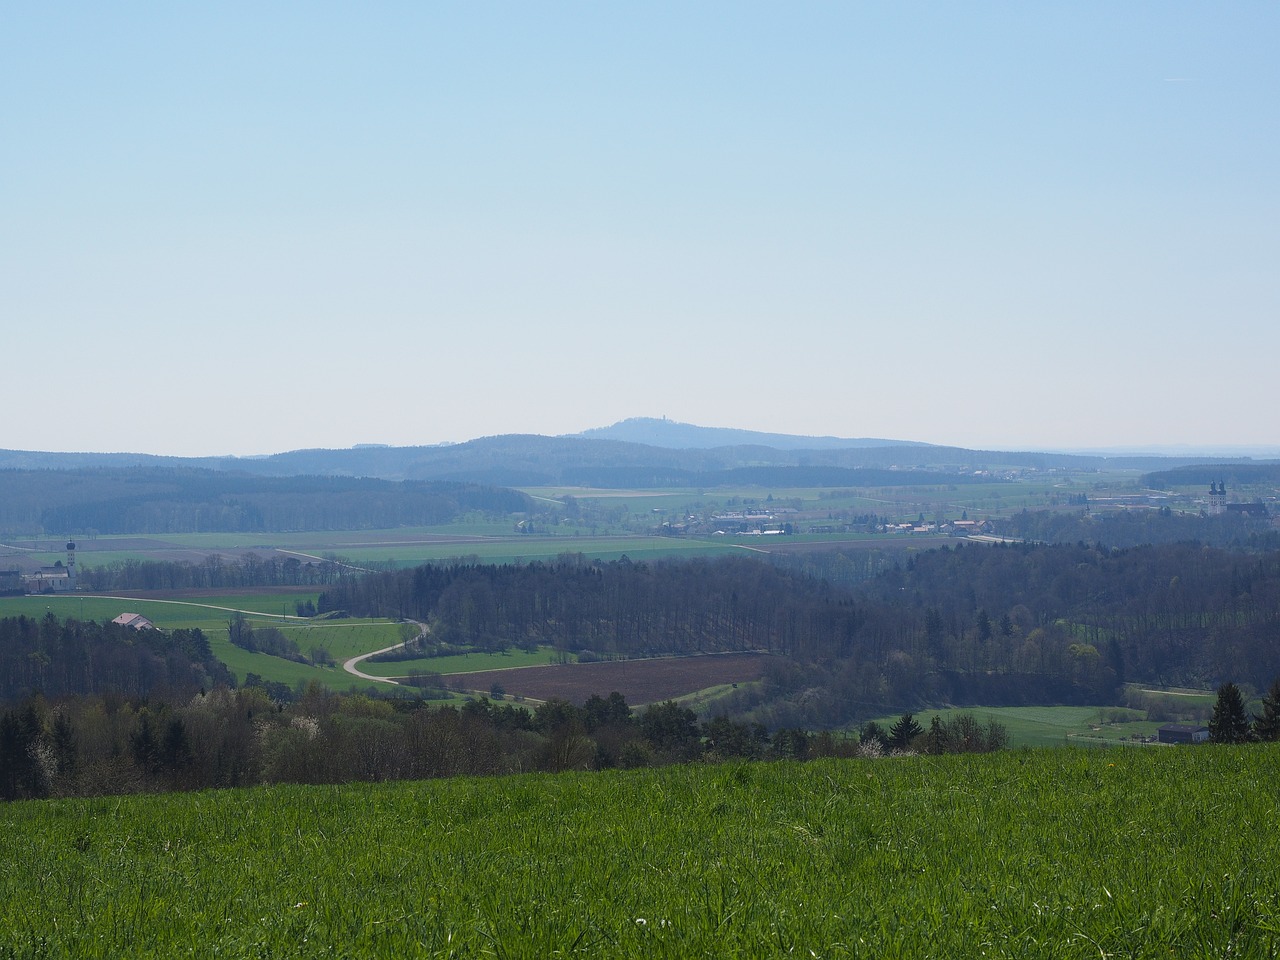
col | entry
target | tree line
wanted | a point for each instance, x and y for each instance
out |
(975, 624)
(150, 500)
(111, 744)
(215, 571)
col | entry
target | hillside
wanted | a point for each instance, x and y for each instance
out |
(686, 436)
(1042, 853)
(532, 460)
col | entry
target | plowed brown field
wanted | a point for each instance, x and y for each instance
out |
(640, 681)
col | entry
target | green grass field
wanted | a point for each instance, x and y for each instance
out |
(460, 663)
(402, 547)
(1051, 726)
(342, 638)
(202, 612)
(1025, 854)
(989, 499)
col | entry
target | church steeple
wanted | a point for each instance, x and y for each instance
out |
(1217, 497)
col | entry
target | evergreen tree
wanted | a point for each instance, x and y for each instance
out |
(21, 775)
(1267, 725)
(936, 740)
(1229, 724)
(904, 731)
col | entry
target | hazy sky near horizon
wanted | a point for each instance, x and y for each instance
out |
(248, 228)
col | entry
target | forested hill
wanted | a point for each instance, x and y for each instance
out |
(687, 436)
(168, 500)
(530, 460)
(975, 624)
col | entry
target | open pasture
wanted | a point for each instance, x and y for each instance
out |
(341, 638)
(400, 548)
(640, 681)
(176, 610)
(473, 662)
(527, 548)
(1052, 726)
(1066, 854)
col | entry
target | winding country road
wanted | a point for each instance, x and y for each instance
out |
(351, 665)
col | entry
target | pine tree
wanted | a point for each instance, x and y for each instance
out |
(904, 731)
(1229, 723)
(937, 740)
(1267, 725)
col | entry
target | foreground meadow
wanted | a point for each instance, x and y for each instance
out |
(1044, 853)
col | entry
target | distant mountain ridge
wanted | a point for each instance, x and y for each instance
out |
(675, 455)
(674, 435)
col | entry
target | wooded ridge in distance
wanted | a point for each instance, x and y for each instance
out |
(148, 500)
(600, 458)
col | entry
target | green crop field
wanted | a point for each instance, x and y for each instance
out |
(1051, 726)
(398, 547)
(514, 549)
(1026, 854)
(993, 498)
(460, 663)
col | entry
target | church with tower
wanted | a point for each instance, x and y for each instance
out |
(60, 578)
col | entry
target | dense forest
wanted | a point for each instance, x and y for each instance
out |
(183, 500)
(62, 657)
(974, 624)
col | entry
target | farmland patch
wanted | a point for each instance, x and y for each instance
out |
(640, 681)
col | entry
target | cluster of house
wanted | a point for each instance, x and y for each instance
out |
(961, 528)
(785, 520)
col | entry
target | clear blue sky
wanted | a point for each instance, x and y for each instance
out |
(253, 227)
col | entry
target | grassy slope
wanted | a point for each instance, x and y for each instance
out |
(342, 638)
(1051, 853)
